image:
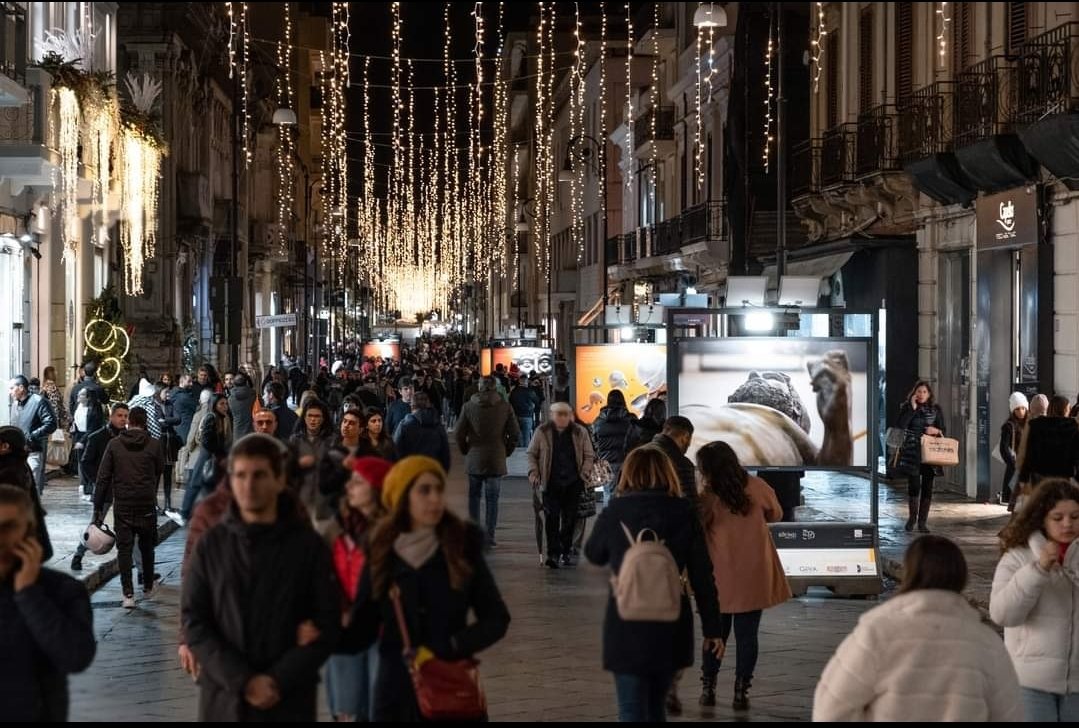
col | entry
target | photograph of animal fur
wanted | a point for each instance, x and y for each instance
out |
(794, 403)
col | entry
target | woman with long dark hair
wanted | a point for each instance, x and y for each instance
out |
(215, 440)
(920, 415)
(374, 440)
(924, 655)
(736, 508)
(1036, 599)
(609, 433)
(432, 561)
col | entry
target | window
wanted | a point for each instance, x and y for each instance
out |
(904, 50)
(865, 59)
(831, 69)
(961, 32)
(1017, 27)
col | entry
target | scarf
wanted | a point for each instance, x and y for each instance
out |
(417, 546)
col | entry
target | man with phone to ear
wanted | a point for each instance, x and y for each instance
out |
(46, 626)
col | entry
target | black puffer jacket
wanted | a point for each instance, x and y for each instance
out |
(915, 422)
(1051, 449)
(687, 475)
(645, 648)
(642, 432)
(46, 633)
(247, 590)
(422, 433)
(437, 618)
(609, 431)
(129, 472)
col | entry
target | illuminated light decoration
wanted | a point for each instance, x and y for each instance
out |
(942, 37)
(603, 99)
(698, 157)
(244, 65)
(769, 96)
(818, 47)
(69, 115)
(140, 165)
(577, 134)
(500, 194)
(656, 105)
(102, 129)
(630, 121)
(101, 337)
(285, 140)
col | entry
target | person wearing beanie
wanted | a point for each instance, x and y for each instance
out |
(1011, 434)
(424, 555)
(350, 678)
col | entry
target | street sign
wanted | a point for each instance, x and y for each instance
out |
(273, 322)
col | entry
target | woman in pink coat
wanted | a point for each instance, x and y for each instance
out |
(736, 509)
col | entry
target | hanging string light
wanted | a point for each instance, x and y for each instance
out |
(68, 140)
(656, 104)
(818, 47)
(140, 162)
(500, 195)
(942, 37)
(284, 150)
(576, 134)
(630, 121)
(245, 64)
(769, 95)
(698, 157)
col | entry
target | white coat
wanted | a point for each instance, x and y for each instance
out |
(1039, 611)
(922, 656)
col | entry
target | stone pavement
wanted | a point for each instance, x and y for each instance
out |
(547, 668)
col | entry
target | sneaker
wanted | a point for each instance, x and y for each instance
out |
(551, 563)
(151, 592)
(129, 601)
(76, 562)
(86, 498)
(174, 516)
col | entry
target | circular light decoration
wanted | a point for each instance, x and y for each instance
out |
(101, 337)
(106, 377)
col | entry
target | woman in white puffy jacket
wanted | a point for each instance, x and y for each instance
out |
(1036, 599)
(923, 655)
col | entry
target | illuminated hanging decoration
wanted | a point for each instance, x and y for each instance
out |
(818, 47)
(656, 95)
(769, 96)
(141, 153)
(68, 141)
(631, 144)
(942, 37)
(107, 339)
(577, 100)
(285, 149)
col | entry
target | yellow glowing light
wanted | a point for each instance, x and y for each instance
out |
(69, 114)
(141, 167)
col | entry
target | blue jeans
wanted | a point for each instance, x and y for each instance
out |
(489, 486)
(526, 424)
(350, 684)
(1042, 707)
(642, 698)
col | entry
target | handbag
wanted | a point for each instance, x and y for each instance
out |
(601, 474)
(445, 690)
(940, 451)
(98, 538)
(58, 451)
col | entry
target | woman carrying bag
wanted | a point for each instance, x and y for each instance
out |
(425, 573)
(920, 415)
(1036, 599)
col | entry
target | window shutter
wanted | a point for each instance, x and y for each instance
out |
(865, 59)
(831, 70)
(961, 34)
(904, 50)
(1017, 26)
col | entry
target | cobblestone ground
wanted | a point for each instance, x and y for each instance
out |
(548, 667)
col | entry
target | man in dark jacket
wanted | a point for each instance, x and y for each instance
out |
(92, 454)
(609, 431)
(46, 626)
(487, 434)
(14, 471)
(230, 594)
(241, 400)
(286, 418)
(129, 472)
(422, 433)
(399, 409)
(185, 402)
(674, 440)
(524, 401)
(32, 414)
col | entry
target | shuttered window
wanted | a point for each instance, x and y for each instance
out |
(961, 36)
(1017, 26)
(904, 50)
(865, 59)
(831, 70)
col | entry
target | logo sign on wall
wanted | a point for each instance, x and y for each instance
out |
(1008, 219)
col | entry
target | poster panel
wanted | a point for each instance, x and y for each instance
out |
(778, 402)
(382, 350)
(485, 362)
(638, 370)
(528, 359)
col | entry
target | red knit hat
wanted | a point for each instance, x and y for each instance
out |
(372, 469)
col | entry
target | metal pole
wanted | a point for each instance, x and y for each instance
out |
(781, 154)
(234, 346)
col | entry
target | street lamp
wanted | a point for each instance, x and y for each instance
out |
(710, 15)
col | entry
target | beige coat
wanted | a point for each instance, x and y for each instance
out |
(541, 451)
(749, 575)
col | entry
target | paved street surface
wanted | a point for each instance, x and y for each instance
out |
(548, 667)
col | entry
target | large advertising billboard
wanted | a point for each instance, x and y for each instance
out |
(382, 350)
(779, 402)
(528, 359)
(638, 370)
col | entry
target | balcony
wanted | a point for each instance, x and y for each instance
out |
(13, 55)
(664, 125)
(877, 143)
(837, 155)
(805, 167)
(27, 144)
(926, 136)
(697, 236)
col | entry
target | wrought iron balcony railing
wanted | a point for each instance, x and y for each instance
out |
(13, 42)
(805, 167)
(664, 116)
(927, 121)
(1047, 74)
(985, 100)
(706, 221)
(702, 222)
(837, 155)
(877, 144)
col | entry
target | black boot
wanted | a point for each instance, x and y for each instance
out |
(708, 691)
(76, 562)
(741, 694)
(923, 514)
(912, 504)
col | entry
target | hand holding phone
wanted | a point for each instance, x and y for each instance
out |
(29, 553)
